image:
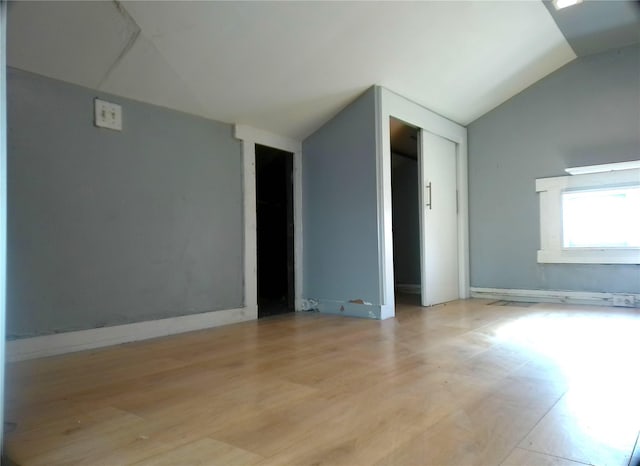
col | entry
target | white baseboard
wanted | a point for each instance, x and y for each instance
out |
(387, 311)
(546, 296)
(68, 342)
(357, 308)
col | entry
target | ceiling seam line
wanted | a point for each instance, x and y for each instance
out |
(127, 47)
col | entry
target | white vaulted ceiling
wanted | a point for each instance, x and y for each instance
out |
(287, 67)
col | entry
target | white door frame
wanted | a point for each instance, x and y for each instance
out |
(250, 137)
(3, 198)
(389, 105)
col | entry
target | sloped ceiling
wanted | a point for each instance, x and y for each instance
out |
(597, 26)
(287, 67)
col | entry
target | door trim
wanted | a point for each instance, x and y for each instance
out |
(3, 197)
(250, 137)
(390, 104)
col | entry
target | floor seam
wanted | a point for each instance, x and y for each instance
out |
(555, 456)
(635, 448)
(517, 445)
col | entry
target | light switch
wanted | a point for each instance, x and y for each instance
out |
(108, 115)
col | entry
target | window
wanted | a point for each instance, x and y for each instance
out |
(601, 218)
(590, 218)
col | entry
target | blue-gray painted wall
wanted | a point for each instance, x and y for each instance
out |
(586, 113)
(115, 227)
(340, 207)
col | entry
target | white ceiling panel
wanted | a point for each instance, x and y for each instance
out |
(143, 74)
(289, 66)
(286, 67)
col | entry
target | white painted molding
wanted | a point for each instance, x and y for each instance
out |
(390, 104)
(3, 197)
(387, 311)
(250, 137)
(597, 180)
(605, 167)
(589, 256)
(352, 309)
(265, 138)
(549, 296)
(250, 224)
(60, 343)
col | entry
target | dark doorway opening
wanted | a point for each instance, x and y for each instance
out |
(275, 231)
(406, 212)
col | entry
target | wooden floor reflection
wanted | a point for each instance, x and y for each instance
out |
(466, 383)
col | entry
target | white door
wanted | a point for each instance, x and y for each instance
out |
(438, 219)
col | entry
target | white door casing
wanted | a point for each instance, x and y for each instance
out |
(3, 195)
(250, 137)
(390, 104)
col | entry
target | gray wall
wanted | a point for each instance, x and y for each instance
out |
(406, 220)
(114, 227)
(340, 206)
(588, 112)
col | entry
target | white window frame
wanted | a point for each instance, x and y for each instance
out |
(551, 243)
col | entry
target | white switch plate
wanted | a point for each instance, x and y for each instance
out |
(108, 115)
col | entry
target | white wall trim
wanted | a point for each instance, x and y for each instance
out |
(250, 137)
(391, 104)
(59, 343)
(550, 296)
(604, 167)
(3, 197)
(604, 179)
(589, 256)
(351, 309)
(265, 138)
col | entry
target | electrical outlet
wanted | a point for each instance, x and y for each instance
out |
(624, 300)
(108, 115)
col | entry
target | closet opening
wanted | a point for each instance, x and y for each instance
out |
(405, 212)
(275, 231)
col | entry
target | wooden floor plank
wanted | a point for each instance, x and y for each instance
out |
(468, 382)
(205, 452)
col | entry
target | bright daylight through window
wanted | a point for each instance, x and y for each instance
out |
(602, 218)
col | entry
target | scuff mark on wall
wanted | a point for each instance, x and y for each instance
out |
(309, 304)
(352, 308)
(360, 301)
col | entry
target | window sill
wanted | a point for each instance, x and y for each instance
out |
(590, 256)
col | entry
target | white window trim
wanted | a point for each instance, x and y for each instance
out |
(605, 167)
(551, 247)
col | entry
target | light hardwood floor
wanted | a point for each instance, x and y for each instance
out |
(466, 383)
